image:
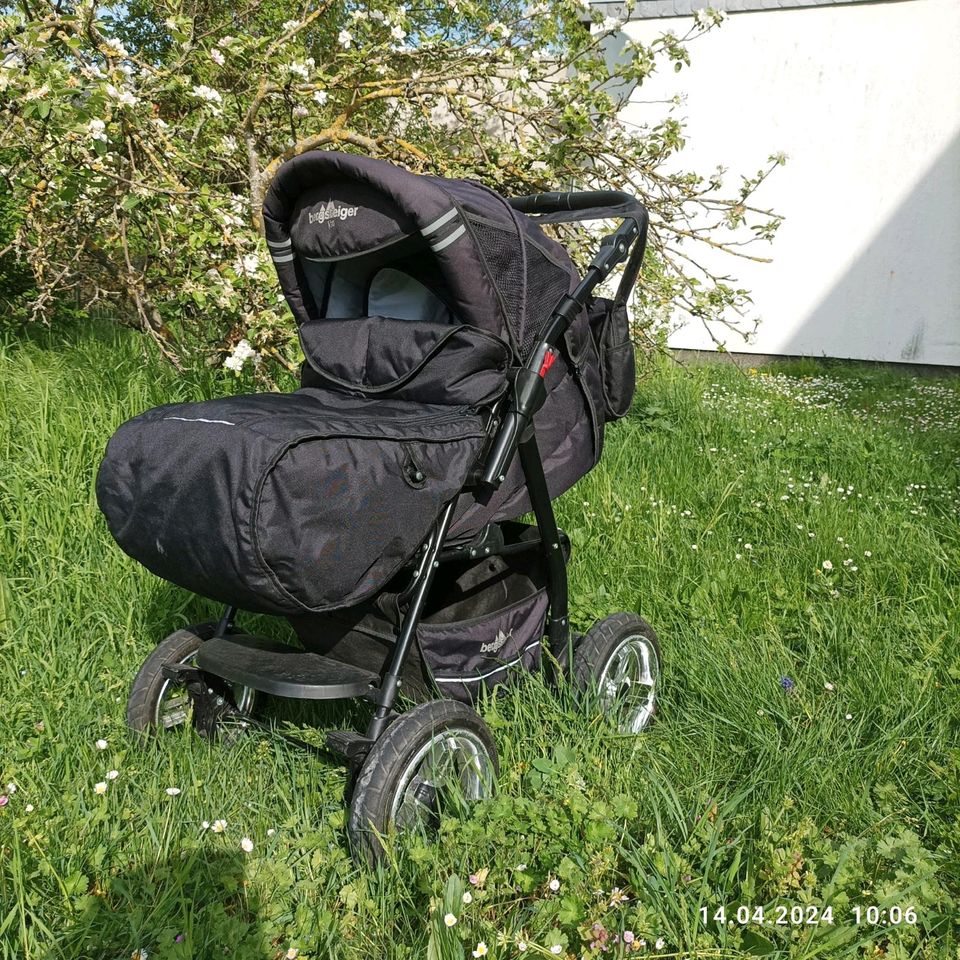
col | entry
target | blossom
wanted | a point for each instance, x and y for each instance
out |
(216, 55)
(522, 945)
(300, 111)
(101, 744)
(289, 25)
(100, 788)
(828, 686)
(617, 896)
(320, 96)
(628, 936)
(11, 788)
(345, 39)
(399, 34)
(481, 950)
(449, 919)
(219, 826)
(116, 48)
(139, 954)
(827, 565)
(271, 832)
(787, 684)
(849, 716)
(660, 944)
(28, 808)
(205, 825)
(554, 884)
(292, 954)
(173, 791)
(610, 24)
(208, 94)
(467, 897)
(556, 948)
(113, 774)
(246, 845)
(4, 799)
(299, 69)
(96, 129)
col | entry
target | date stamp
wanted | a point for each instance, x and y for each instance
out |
(808, 915)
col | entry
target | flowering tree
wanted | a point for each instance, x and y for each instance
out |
(137, 143)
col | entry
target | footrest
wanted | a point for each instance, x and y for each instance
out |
(283, 670)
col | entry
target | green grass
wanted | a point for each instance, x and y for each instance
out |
(718, 501)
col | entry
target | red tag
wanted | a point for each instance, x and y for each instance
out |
(548, 358)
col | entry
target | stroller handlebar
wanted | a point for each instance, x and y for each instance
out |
(593, 200)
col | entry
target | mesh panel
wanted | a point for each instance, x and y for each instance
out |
(546, 284)
(501, 251)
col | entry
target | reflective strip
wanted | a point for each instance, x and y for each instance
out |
(286, 259)
(279, 244)
(229, 423)
(483, 676)
(439, 222)
(456, 235)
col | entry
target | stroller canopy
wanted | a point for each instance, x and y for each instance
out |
(355, 237)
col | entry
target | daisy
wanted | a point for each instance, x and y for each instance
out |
(173, 791)
(481, 950)
(101, 744)
(113, 774)
(246, 845)
(100, 788)
(219, 826)
(449, 919)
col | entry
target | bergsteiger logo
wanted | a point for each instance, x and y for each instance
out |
(330, 213)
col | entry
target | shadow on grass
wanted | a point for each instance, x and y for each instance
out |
(192, 905)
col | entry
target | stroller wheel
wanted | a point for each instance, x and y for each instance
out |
(619, 660)
(155, 703)
(437, 757)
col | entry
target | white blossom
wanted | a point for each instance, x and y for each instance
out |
(321, 96)
(116, 48)
(216, 55)
(345, 39)
(96, 128)
(289, 25)
(207, 94)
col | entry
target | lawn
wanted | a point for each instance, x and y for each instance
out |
(794, 536)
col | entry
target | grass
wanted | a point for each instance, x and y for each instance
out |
(719, 507)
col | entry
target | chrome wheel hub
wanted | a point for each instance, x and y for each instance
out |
(628, 684)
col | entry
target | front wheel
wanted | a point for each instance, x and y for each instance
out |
(437, 757)
(619, 660)
(157, 704)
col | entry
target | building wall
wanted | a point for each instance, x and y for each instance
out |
(865, 101)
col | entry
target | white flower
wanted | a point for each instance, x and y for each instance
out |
(556, 948)
(216, 55)
(173, 791)
(867, 553)
(116, 48)
(849, 716)
(399, 34)
(748, 546)
(660, 944)
(248, 263)
(554, 884)
(139, 954)
(828, 686)
(100, 788)
(228, 144)
(292, 953)
(271, 832)
(219, 826)
(827, 565)
(345, 39)
(468, 897)
(11, 788)
(205, 825)
(28, 808)
(481, 950)
(96, 129)
(113, 774)
(208, 94)
(299, 70)
(246, 845)
(320, 96)
(378, 15)
(610, 24)
(226, 41)
(521, 944)
(449, 919)
(300, 111)
(289, 25)
(101, 744)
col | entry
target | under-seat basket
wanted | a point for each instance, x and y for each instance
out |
(482, 626)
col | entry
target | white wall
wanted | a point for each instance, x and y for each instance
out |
(865, 100)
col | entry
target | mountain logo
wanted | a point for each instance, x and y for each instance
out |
(498, 641)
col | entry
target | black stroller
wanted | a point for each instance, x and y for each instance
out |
(458, 374)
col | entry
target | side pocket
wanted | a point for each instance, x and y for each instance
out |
(610, 327)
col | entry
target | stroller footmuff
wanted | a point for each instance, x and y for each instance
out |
(458, 374)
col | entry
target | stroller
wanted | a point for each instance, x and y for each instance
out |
(459, 374)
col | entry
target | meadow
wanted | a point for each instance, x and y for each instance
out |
(792, 533)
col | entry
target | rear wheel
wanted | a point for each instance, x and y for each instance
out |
(618, 661)
(439, 757)
(156, 704)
